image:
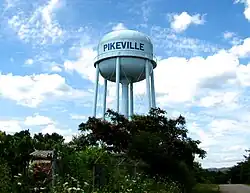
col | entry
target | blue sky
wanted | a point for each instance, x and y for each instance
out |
(203, 49)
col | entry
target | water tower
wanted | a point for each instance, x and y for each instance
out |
(125, 57)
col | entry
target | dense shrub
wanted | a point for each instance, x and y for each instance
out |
(5, 176)
(136, 184)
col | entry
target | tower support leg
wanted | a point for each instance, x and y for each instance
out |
(104, 98)
(117, 83)
(153, 89)
(125, 99)
(131, 100)
(147, 73)
(96, 90)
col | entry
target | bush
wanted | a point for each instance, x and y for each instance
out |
(136, 184)
(80, 171)
(5, 176)
(206, 188)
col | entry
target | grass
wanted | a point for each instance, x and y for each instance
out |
(206, 188)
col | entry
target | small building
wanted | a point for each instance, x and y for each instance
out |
(41, 156)
(43, 161)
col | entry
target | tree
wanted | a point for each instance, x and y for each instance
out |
(47, 141)
(5, 177)
(240, 173)
(158, 141)
(16, 149)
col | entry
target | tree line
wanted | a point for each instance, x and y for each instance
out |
(152, 150)
(238, 174)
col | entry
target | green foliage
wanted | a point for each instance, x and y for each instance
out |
(238, 174)
(47, 142)
(135, 184)
(81, 175)
(206, 188)
(15, 156)
(21, 183)
(16, 149)
(149, 153)
(161, 143)
(5, 176)
(79, 164)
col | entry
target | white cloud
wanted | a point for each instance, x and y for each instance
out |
(219, 78)
(232, 38)
(56, 69)
(47, 124)
(119, 26)
(220, 98)
(13, 126)
(184, 78)
(37, 120)
(10, 3)
(32, 90)
(171, 44)
(247, 7)
(52, 128)
(224, 142)
(29, 61)
(84, 65)
(228, 35)
(10, 126)
(242, 50)
(79, 117)
(182, 21)
(236, 148)
(38, 27)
